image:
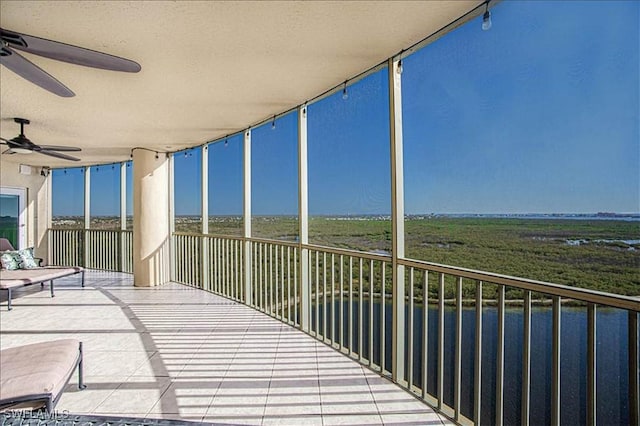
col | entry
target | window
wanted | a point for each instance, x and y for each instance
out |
(274, 179)
(67, 198)
(521, 145)
(105, 196)
(521, 158)
(226, 186)
(349, 167)
(187, 189)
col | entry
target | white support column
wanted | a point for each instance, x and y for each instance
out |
(123, 196)
(87, 213)
(151, 229)
(87, 197)
(303, 219)
(171, 218)
(204, 249)
(49, 183)
(397, 220)
(205, 189)
(247, 216)
(123, 213)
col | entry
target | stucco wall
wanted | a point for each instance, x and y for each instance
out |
(37, 202)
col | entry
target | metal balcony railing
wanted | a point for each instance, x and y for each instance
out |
(109, 250)
(451, 338)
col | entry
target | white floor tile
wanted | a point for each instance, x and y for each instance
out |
(175, 352)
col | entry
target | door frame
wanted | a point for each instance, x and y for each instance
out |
(22, 214)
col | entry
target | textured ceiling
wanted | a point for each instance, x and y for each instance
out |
(208, 68)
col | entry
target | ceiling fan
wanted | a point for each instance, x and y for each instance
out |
(22, 145)
(10, 41)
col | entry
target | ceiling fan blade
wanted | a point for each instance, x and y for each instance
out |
(58, 155)
(29, 71)
(68, 53)
(58, 148)
(4, 141)
(8, 151)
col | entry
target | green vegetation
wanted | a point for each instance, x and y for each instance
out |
(581, 253)
(9, 228)
(596, 254)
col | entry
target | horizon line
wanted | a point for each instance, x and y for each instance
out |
(597, 214)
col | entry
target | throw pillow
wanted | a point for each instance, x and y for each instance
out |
(26, 258)
(10, 260)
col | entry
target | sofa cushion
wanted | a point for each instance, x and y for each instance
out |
(10, 260)
(26, 258)
(37, 369)
(20, 277)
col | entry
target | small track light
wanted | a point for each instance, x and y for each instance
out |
(273, 123)
(345, 95)
(399, 67)
(226, 143)
(157, 156)
(486, 19)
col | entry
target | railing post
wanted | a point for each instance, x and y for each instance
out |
(123, 215)
(303, 220)
(247, 216)
(634, 385)
(592, 364)
(171, 219)
(397, 218)
(440, 382)
(49, 183)
(556, 389)
(526, 360)
(477, 398)
(87, 213)
(205, 276)
(500, 360)
(457, 372)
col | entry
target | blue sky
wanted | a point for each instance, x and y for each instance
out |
(68, 188)
(68, 192)
(539, 114)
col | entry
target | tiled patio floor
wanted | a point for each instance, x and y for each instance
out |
(174, 352)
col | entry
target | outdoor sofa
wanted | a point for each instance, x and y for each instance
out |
(35, 375)
(10, 279)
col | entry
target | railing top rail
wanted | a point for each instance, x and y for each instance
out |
(189, 234)
(582, 294)
(278, 242)
(346, 252)
(575, 293)
(196, 234)
(91, 230)
(349, 252)
(224, 237)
